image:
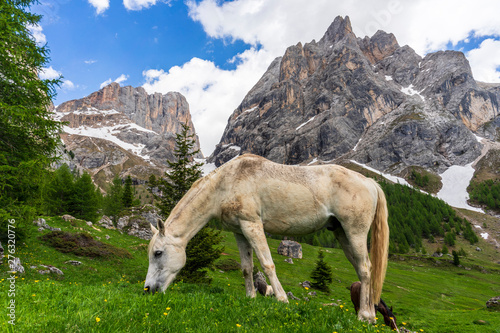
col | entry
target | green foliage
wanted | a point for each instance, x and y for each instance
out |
(183, 173)
(486, 193)
(228, 264)
(128, 194)
(113, 203)
(418, 179)
(67, 193)
(414, 216)
(28, 135)
(322, 275)
(202, 251)
(456, 258)
(204, 248)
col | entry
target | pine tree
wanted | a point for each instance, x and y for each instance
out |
(85, 198)
(28, 134)
(183, 173)
(128, 193)
(322, 275)
(60, 191)
(204, 248)
(113, 200)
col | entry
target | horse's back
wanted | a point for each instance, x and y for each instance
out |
(294, 199)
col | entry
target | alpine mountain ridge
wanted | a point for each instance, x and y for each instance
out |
(123, 130)
(364, 99)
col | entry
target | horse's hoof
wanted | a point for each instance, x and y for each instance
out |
(365, 316)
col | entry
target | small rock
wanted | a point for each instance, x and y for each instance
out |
(16, 266)
(330, 304)
(106, 222)
(107, 237)
(289, 260)
(312, 293)
(478, 249)
(292, 296)
(89, 223)
(50, 269)
(43, 225)
(306, 284)
(67, 217)
(73, 262)
(261, 285)
(493, 303)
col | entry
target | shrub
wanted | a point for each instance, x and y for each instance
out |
(322, 275)
(82, 244)
(228, 264)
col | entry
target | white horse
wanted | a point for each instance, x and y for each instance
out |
(251, 195)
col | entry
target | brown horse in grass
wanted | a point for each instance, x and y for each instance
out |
(389, 317)
(251, 196)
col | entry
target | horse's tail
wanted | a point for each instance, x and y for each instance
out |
(379, 246)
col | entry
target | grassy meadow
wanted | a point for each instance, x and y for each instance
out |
(105, 293)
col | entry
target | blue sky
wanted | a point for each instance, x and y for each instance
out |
(214, 51)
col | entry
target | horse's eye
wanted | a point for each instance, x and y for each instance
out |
(158, 254)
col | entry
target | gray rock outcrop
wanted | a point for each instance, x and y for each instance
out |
(123, 129)
(42, 225)
(15, 265)
(290, 249)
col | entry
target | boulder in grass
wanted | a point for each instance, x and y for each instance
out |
(493, 303)
(290, 249)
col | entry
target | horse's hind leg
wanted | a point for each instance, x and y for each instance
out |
(246, 257)
(254, 233)
(355, 249)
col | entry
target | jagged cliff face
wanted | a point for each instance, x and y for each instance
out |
(365, 99)
(123, 130)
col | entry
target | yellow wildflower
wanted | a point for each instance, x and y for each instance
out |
(97, 319)
(238, 325)
(168, 309)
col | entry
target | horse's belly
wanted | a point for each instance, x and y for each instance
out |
(293, 226)
(291, 209)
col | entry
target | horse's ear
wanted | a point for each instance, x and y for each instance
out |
(153, 229)
(161, 227)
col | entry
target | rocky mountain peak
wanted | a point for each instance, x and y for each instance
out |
(379, 46)
(123, 130)
(367, 99)
(339, 29)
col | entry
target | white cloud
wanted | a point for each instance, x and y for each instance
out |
(485, 61)
(119, 79)
(272, 25)
(68, 85)
(212, 93)
(90, 61)
(49, 74)
(138, 4)
(38, 35)
(100, 5)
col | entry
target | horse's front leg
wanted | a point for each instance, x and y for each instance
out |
(246, 257)
(254, 233)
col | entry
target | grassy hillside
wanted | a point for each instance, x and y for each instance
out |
(104, 294)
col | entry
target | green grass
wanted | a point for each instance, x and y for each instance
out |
(106, 294)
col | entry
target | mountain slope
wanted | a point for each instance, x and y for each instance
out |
(123, 130)
(368, 99)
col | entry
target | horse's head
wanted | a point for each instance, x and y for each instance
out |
(389, 317)
(166, 258)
